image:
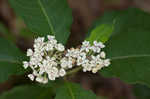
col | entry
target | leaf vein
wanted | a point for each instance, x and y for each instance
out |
(71, 93)
(47, 17)
(128, 56)
(10, 61)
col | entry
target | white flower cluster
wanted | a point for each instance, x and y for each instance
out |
(50, 60)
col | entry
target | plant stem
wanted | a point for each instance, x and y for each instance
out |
(74, 70)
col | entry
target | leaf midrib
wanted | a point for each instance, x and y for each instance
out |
(70, 90)
(10, 61)
(46, 16)
(128, 56)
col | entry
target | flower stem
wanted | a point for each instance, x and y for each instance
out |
(75, 70)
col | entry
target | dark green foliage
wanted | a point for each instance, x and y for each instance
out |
(10, 60)
(28, 92)
(45, 17)
(73, 91)
(129, 47)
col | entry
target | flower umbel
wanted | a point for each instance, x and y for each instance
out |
(50, 60)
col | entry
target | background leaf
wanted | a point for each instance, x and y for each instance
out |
(3, 29)
(73, 91)
(129, 47)
(45, 16)
(141, 91)
(28, 92)
(10, 60)
(101, 33)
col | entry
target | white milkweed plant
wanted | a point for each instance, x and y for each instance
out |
(116, 45)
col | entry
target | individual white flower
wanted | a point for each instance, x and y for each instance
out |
(64, 62)
(60, 47)
(31, 76)
(50, 37)
(39, 52)
(98, 44)
(85, 46)
(35, 60)
(96, 58)
(39, 44)
(70, 62)
(47, 66)
(86, 43)
(107, 62)
(39, 79)
(35, 73)
(53, 73)
(49, 47)
(51, 77)
(38, 57)
(73, 53)
(95, 49)
(102, 54)
(39, 40)
(93, 63)
(81, 60)
(45, 80)
(82, 54)
(97, 67)
(29, 52)
(62, 72)
(42, 69)
(87, 66)
(94, 70)
(25, 64)
(39, 47)
(51, 61)
(52, 40)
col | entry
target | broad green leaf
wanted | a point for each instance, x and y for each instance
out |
(101, 33)
(102, 28)
(129, 48)
(10, 60)
(28, 92)
(141, 91)
(45, 16)
(73, 91)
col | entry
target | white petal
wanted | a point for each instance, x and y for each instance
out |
(25, 64)
(94, 70)
(62, 72)
(31, 76)
(29, 52)
(103, 55)
(39, 79)
(106, 62)
(60, 47)
(51, 77)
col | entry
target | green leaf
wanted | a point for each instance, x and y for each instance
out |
(10, 60)
(3, 29)
(101, 33)
(102, 28)
(73, 91)
(141, 91)
(28, 92)
(129, 48)
(45, 16)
